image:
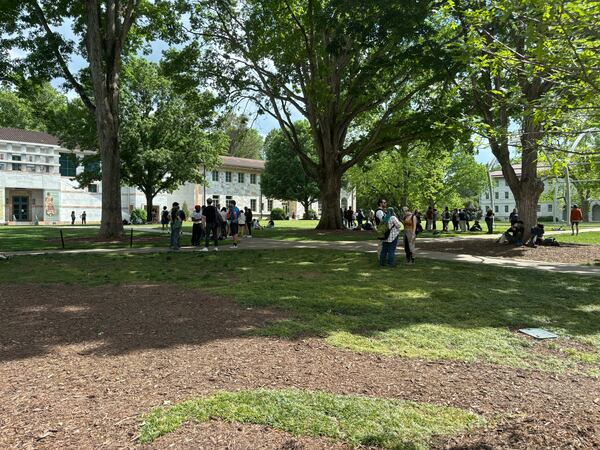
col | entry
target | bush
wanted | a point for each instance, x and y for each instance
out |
(277, 214)
(186, 210)
(545, 219)
(311, 214)
(138, 215)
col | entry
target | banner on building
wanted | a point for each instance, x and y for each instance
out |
(52, 206)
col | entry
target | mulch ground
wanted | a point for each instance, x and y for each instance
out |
(79, 366)
(565, 253)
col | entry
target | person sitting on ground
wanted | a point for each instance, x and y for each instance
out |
(368, 226)
(476, 226)
(514, 234)
(256, 224)
(537, 235)
(271, 224)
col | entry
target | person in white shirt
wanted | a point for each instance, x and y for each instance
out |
(390, 240)
(241, 223)
(196, 217)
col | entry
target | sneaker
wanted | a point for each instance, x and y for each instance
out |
(249, 237)
(233, 246)
(205, 249)
(216, 249)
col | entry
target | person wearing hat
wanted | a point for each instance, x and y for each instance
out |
(196, 217)
(576, 217)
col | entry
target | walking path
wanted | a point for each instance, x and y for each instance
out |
(355, 246)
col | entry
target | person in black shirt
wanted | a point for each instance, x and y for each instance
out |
(209, 218)
(249, 222)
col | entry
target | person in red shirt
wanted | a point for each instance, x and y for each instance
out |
(576, 217)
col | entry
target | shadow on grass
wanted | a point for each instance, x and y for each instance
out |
(321, 293)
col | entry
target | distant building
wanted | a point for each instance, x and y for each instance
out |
(36, 183)
(504, 201)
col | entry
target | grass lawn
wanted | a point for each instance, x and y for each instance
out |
(433, 310)
(22, 238)
(584, 237)
(355, 420)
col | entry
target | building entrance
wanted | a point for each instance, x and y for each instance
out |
(20, 207)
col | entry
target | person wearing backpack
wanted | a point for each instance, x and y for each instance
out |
(390, 239)
(233, 217)
(409, 221)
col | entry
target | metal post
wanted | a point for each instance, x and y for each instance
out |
(568, 193)
(62, 239)
(555, 202)
(131, 238)
(491, 188)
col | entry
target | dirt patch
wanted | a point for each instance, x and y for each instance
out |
(79, 367)
(566, 253)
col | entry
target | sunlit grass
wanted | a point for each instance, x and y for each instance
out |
(354, 420)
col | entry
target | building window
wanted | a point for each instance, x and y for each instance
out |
(215, 175)
(269, 205)
(539, 207)
(216, 201)
(496, 208)
(487, 195)
(252, 178)
(93, 188)
(30, 168)
(505, 208)
(16, 167)
(1, 166)
(228, 199)
(497, 195)
(68, 165)
(253, 204)
(240, 177)
(549, 208)
(228, 177)
(506, 194)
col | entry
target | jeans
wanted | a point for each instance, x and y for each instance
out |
(214, 228)
(175, 234)
(388, 252)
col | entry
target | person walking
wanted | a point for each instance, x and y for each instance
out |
(489, 221)
(196, 217)
(390, 241)
(164, 218)
(73, 217)
(210, 219)
(233, 216)
(83, 218)
(409, 221)
(576, 218)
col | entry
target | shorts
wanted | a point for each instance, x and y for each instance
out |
(233, 228)
(576, 222)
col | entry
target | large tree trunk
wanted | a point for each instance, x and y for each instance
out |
(112, 220)
(331, 218)
(149, 201)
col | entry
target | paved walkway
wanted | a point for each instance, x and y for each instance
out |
(356, 246)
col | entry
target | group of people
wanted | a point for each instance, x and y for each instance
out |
(389, 227)
(209, 223)
(83, 217)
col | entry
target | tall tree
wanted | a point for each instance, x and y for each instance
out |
(363, 79)
(517, 99)
(283, 177)
(103, 30)
(244, 142)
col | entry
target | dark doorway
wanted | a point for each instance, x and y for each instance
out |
(20, 208)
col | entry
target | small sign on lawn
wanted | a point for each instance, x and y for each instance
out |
(538, 333)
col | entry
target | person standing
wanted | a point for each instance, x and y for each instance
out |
(429, 219)
(73, 217)
(224, 224)
(210, 219)
(233, 216)
(462, 220)
(514, 216)
(489, 221)
(196, 217)
(242, 222)
(164, 218)
(390, 240)
(177, 218)
(410, 234)
(455, 220)
(445, 219)
(576, 218)
(379, 228)
(249, 222)
(83, 218)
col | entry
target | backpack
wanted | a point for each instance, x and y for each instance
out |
(219, 217)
